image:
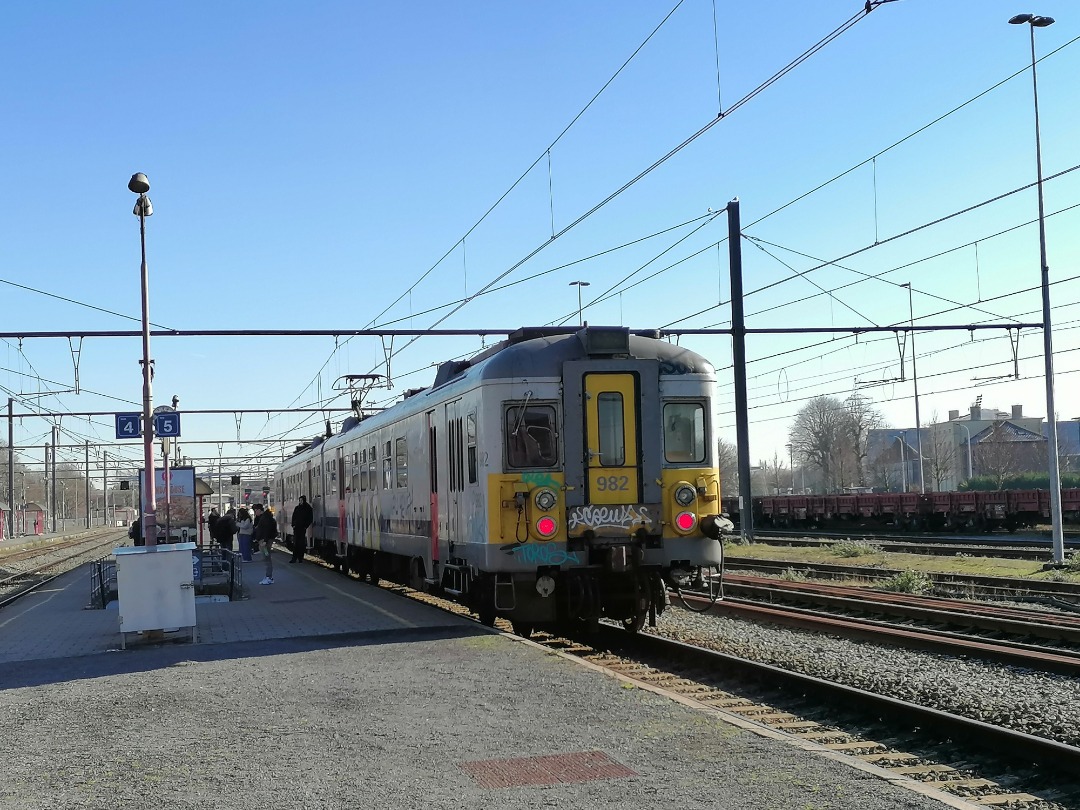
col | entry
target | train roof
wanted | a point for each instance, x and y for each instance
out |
(541, 352)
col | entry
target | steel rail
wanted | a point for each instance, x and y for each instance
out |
(1015, 745)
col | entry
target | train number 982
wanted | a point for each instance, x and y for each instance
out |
(612, 483)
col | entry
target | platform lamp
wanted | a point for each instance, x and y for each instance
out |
(1035, 21)
(138, 184)
(579, 285)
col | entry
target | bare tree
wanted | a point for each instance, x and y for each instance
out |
(863, 418)
(818, 436)
(999, 457)
(777, 475)
(727, 460)
(941, 454)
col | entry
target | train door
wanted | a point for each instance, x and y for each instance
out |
(342, 486)
(431, 422)
(455, 467)
(612, 461)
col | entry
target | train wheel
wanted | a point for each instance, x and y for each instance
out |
(523, 629)
(635, 623)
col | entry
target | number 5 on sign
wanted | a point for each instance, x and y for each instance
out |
(167, 424)
(128, 425)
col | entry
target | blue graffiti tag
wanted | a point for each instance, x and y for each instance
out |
(535, 554)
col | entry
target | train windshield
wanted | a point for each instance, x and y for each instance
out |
(530, 436)
(684, 432)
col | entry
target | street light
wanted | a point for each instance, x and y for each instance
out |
(915, 380)
(903, 464)
(968, 432)
(1034, 21)
(140, 185)
(579, 285)
(791, 464)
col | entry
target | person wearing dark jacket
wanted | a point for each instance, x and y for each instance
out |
(302, 518)
(265, 534)
(135, 531)
(225, 529)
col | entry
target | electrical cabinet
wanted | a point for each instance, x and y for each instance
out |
(155, 587)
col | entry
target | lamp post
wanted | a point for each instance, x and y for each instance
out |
(140, 185)
(791, 464)
(968, 432)
(579, 285)
(1035, 21)
(903, 465)
(915, 380)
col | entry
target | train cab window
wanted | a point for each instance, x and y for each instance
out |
(609, 408)
(530, 436)
(373, 478)
(363, 471)
(387, 467)
(401, 453)
(470, 439)
(684, 432)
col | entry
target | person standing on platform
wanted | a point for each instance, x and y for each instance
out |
(211, 522)
(135, 532)
(302, 518)
(265, 534)
(244, 529)
(226, 528)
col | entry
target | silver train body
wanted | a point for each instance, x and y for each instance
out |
(557, 477)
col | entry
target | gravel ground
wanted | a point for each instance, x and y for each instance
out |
(1042, 704)
(342, 723)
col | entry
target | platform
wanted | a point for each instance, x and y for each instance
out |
(323, 692)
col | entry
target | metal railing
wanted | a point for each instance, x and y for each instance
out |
(222, 571)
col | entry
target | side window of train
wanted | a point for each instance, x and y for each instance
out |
(684, 432)
(354, 477)
(331, 476)
(363, 470)
(530, 436)
(401, 453)
(387, 467)
(470, 440)
(373, 477)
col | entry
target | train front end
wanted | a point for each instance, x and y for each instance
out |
(630, 503)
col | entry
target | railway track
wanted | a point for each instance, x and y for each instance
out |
(932, 545)
(963, 585)
(25, 568)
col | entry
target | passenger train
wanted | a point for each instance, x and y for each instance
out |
(560, 476)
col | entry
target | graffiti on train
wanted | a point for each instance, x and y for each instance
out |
(619, 516)
(542, 554)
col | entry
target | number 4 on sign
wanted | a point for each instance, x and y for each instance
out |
(128, 425)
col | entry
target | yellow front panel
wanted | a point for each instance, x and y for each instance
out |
(706, 503)
(506, 524)
(611, 438)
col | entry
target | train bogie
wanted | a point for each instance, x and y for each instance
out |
(560, 476)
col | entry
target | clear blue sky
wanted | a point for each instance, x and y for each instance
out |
(310, 161)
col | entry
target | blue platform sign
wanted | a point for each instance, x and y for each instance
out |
(167, 424)
(128, 425)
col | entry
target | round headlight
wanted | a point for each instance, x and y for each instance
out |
(685, 495)
(685, 521)
(544, 499)
(546, 526)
